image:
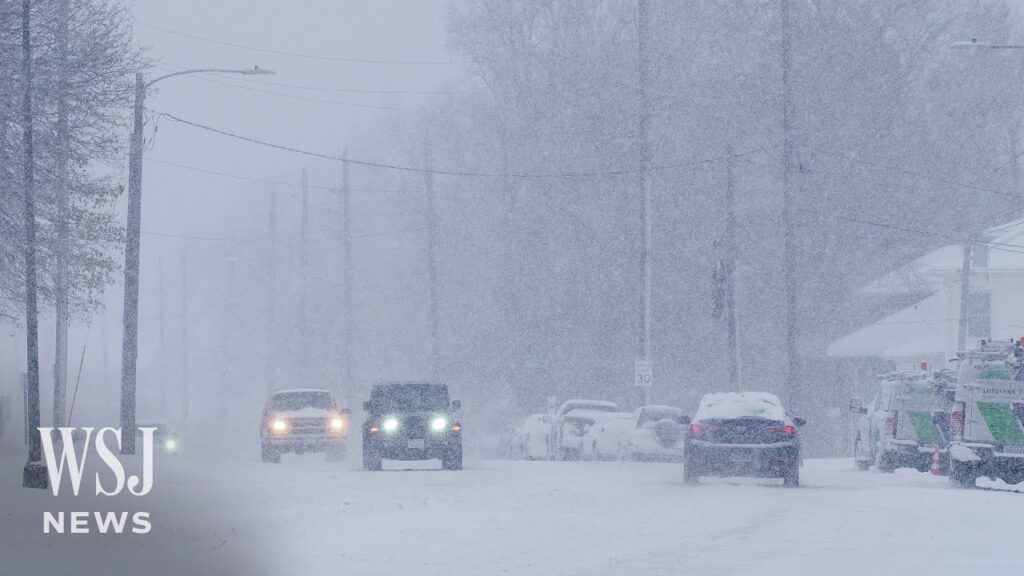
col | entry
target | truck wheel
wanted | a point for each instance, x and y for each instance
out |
(883, 462)
(452, 458)
(372, 460)
(962, 474)
(336, 451)
(269, 454)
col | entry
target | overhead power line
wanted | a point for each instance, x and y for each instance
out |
(298, 54)
(1013, 248)
(402, 168)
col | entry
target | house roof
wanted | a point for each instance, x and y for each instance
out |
(1006, 252)
(917, 330)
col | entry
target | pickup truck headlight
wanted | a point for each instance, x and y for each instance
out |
(438, 424)
(389, 424)
(279, 425)
(337, 424)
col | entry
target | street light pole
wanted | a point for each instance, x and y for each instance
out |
(130, 341)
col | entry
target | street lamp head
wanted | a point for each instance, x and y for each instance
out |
(964, 44)
(256, 71)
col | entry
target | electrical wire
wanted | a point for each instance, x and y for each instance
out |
(551, 175)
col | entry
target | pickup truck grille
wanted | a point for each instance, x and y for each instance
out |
(317, 425)
(414, 426)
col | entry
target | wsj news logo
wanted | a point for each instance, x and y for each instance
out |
(73, 459)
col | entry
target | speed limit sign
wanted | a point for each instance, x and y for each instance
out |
(644, 374)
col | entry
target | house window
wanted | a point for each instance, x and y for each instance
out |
(979, 256)
(979, 315)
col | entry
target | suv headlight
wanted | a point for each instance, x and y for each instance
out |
(389, 424)
(279, 425)
(337, 424)
(438, 424)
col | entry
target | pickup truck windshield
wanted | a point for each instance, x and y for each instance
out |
(300, 400)
(408, 398)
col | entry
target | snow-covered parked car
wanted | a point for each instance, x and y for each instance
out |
(906, 423)
(530, 439)
(571, 423)
(987, 419)
(303, 420)
(743, 434)
(606, 439)
(656, 434)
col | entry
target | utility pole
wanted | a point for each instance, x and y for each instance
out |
(790, 173)
(271, 356)
(730, 286)
(162, 342)
(133, 232)
(643, 24)
(34, 474)
(965, 298)
(63, 320)
(346, 214)
(431, 218)
(304, 278)
(108, 394)
(184, 335)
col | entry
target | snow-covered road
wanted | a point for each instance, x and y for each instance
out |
(308, 516)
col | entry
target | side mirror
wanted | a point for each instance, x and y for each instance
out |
(456, 405)
(366, 405)
(684, 420)
(548, 419)
(856, 407)
(799, 421)
(346, 411)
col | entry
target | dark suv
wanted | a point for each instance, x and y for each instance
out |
(411, 421)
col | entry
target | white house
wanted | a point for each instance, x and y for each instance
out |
(927, 331)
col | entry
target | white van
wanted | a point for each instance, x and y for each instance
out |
(987, 418)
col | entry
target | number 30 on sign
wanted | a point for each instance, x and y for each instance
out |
(644, 373)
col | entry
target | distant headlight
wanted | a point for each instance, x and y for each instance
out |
(389, 424)
(438, 424)
(337, 423)
(279, 425)
(170, 445)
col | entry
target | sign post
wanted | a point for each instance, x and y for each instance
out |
(643, 378)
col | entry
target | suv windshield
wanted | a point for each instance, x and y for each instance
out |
(408, 398)
(302, 399)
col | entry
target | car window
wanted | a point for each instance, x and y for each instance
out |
(300, 400)
(409, 398)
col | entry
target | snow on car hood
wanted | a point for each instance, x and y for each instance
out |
(727, 405)
(307, 412)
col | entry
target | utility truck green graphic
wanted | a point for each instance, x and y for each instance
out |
(987, 418)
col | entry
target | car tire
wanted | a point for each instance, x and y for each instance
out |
(860, 463)
(452, 458)
(691, 474)
(791, 478)
(336, 451)
(372, 460)
(962, 474)
(269, 454)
